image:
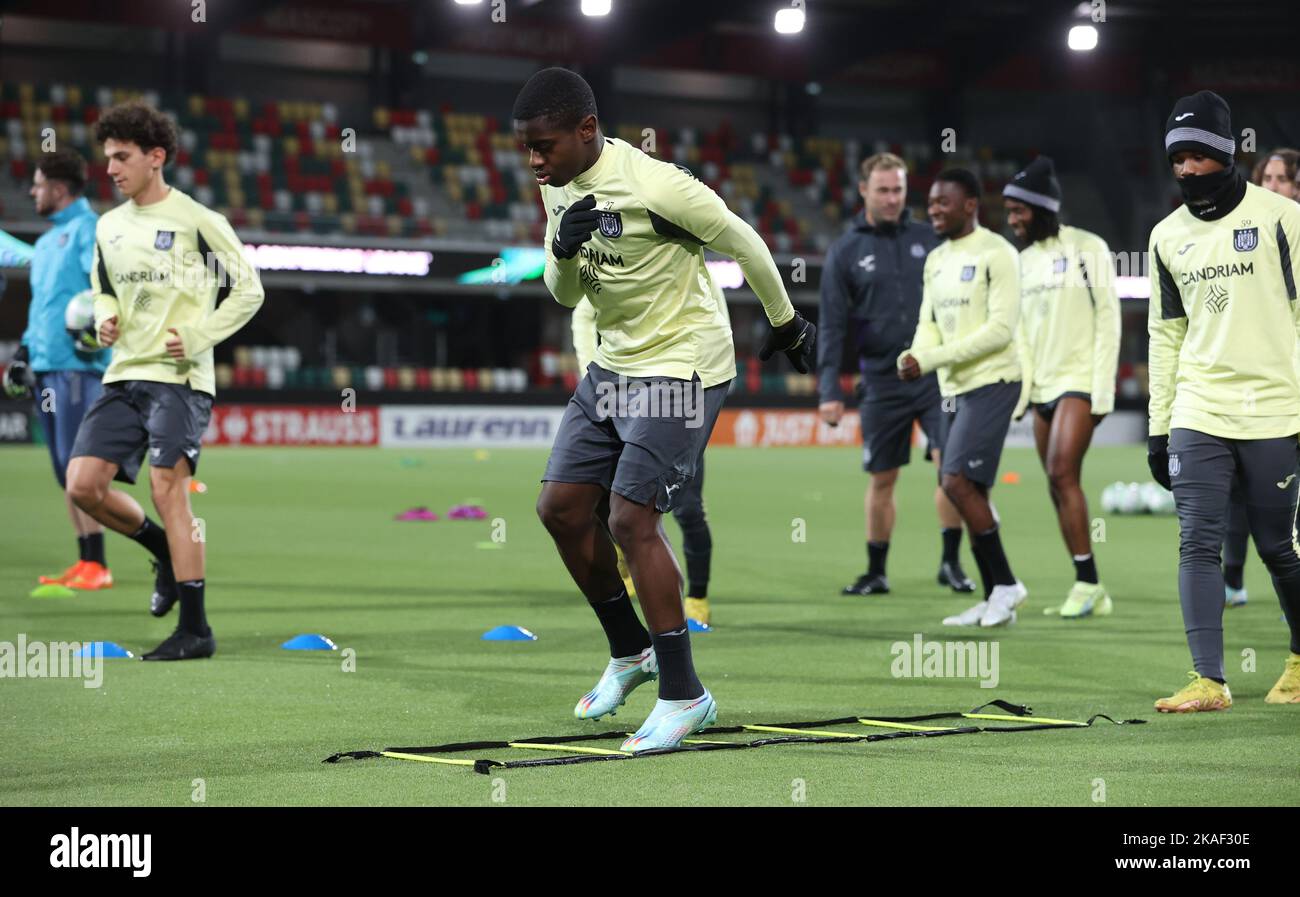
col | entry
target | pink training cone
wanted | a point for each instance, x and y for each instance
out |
(467, 512)
(420, 513)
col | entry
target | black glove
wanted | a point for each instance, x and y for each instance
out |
(1158, 460)
(797, 339)
(576, 225)
(18, 377)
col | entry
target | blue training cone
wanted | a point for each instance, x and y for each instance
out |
(103, 649)
(309, 642)
(509, 634)
(697, 626)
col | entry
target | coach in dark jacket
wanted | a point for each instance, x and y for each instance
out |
(871, 287)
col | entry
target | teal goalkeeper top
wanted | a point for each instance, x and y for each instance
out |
(1223, 320)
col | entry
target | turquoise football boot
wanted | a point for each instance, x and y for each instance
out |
(621, 676)
(671, 721)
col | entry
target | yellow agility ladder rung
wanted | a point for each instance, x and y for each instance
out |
(567, 748)
(884, 724)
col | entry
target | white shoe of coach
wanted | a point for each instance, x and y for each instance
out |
(1003, 603)
(969, 617)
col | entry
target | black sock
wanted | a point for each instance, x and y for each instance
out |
(1085, 568)
(677, 679)
(697, 545)
(154, 538)
(699, 556)
(986, 578)
(990, 545)
(876, 553)
(951, 545)
(1234, 575)
(91, 547)
(622, 626)
(193, 618)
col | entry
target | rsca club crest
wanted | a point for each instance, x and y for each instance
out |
(611, 224)
(164, 239)
(1175, 467)
(918, 251)
(968, 272)
(1245, 239)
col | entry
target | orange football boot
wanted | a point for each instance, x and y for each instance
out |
(62, 578)
(92, 577)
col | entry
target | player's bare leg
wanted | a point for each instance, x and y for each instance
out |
(683, 700)
(944, 509)
(881, 511)
(951, 573)
(577, 517)
(89, 574)
(186, 539)
(1002, 592)
(658, 577)
(171, 497)
(1070, 435)
(83, 523)
(1061, 446)
(90, 491)
(971, 501)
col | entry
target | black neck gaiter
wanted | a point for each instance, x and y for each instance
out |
(1211, 196)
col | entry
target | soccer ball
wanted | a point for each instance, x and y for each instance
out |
(1110, 497)
(1130, 501)
(1157, 499)
(1123, 498)
(79, 319)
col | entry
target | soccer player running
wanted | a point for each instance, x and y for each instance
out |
(872, 281)
(171, 283)
(1070, 324)
(967, 332)
(628, 232)
(1275, 172)
(64, 376)
(1225, 392)
(688, 501)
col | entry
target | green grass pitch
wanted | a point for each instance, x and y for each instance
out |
(303, 540)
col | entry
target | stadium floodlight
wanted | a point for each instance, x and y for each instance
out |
(595, 7)
(1082, 38)
(468, 2)
(789, 20)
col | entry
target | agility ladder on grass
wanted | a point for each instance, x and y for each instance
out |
(777, 733)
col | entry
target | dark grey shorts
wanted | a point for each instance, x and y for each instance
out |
(976, 428)
(1046, 410)
(131, 416)
(639, 438)
(887, 415)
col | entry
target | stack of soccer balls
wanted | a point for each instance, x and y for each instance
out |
(1136, 498)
